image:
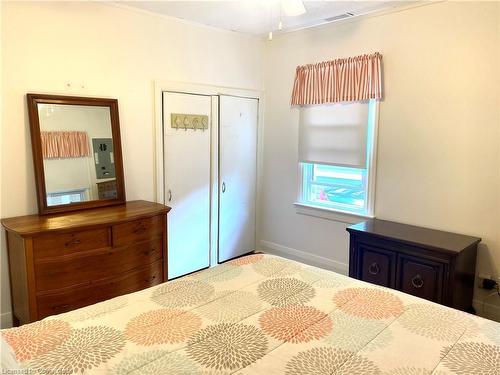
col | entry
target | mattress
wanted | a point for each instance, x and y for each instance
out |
(260, 314)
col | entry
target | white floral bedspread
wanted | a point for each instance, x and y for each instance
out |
(260, 314)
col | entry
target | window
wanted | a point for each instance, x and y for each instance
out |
(338, 174)
(66, 197)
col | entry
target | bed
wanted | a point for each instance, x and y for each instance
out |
(260, 314)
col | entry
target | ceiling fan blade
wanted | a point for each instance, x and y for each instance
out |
(293, 8)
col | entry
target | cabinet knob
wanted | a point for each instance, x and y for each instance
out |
(74, 241)
(150, 252)
(417, 281)
(140, 228)
(60, 307)
(374, 269)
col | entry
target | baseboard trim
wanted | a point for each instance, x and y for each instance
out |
(6, 320)
(487, 310)
(305, 257)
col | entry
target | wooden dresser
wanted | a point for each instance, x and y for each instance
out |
(63, 262)
(431, 264)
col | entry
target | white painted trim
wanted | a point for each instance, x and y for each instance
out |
(214, 179)
(305, 257)
(487, 310)
(183, 21)
(372, 164)
(260, 168)
(192, 88)
(6, 320)
(330, 213)
(357, 18)
(159, 175)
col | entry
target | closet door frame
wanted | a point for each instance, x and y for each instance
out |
(158, 151)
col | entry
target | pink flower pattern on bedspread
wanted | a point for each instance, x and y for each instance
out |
(260, 314)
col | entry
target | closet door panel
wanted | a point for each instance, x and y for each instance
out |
(187, 185)
(238, 118)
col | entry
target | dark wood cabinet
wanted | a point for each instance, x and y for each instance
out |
(435, 265)
(377, 265)
(66, 261)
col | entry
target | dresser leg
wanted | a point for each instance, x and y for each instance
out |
(15, 321)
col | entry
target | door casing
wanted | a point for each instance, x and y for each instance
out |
(158, 151)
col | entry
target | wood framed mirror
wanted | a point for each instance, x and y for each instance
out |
(77, 152)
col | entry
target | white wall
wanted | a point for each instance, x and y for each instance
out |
(113, 52)
(438, 140)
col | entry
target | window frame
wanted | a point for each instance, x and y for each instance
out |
(337, 214)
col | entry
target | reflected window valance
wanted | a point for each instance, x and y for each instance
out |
(65, 144)
(342, 80)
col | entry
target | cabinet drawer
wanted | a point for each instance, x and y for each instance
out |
(52, 245)
(420, 277)
(76, 297)
(72, 270)
(376, 265)
(138, 230)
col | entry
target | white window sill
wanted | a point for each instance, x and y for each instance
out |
(330, 213)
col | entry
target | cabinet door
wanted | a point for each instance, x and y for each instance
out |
(187, 184)
(420, 277)
(237, 175)
(376, 265)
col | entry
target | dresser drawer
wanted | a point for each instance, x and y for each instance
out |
(420, 277)
(376, 265)
(83, 268)
(52, 245)
(76, 297)
(138, 230)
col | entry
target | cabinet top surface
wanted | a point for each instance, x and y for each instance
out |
(429, 238)
(34, 224)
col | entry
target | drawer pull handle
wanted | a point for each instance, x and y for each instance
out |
(60, 307)
(140, 229)
(72, 242)
(374, 269)
(417, 282)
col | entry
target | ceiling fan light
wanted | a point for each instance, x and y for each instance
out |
(293, 7)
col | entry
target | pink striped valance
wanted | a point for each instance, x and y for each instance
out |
(342, 80)
(65, 144)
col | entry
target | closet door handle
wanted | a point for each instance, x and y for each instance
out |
(170, 195)
(223, 187)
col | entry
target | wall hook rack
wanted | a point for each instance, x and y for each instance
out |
(188, 121)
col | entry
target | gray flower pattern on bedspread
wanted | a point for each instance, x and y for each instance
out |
(260, 315)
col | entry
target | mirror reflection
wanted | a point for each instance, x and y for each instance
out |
(77, 148)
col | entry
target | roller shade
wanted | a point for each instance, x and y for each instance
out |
(334, 134)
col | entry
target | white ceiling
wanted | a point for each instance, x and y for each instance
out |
(258, 17)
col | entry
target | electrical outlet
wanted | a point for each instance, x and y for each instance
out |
(482, 277)
(488, 281)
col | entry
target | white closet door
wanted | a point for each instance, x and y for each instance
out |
(238, 119)
(187, 185)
